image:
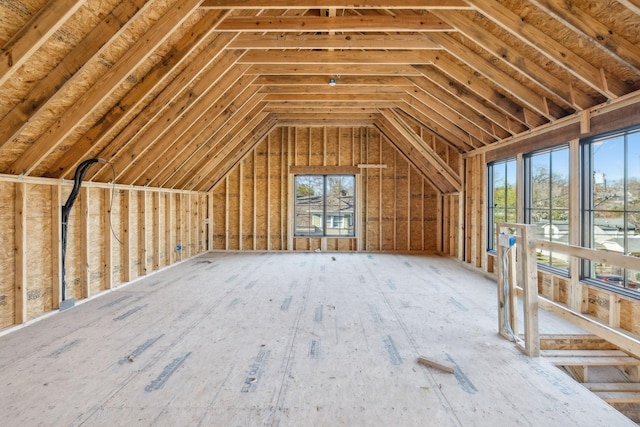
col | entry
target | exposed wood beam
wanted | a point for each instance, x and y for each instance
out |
(94, 140)
(458, 104)
(181, 153)
(428, 103)
(197, 167)
(460, 113)
(36, 32)
(332, 97)
(174, 95)
(20, 250)
(456, 90)
(432, 126)
(310, 109)
(500, 79)
(245, 143)
(416, 149)
(598, 79)
(244, 124)
(340, 4)
(471, 81)
(333, 70)
(104, 87)
(314, 80)
(323, 41)
(633, 5)
(131, 149)
(184, 129)
(438, 124)
(406, 57)
(326, 89)
(329, 105)
(326, 119)
(89, 47)
(338, 23)
(507, 54)
(597, 33)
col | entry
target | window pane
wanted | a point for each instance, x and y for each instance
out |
(511, 185)
(502, 191)
(559, 179)
(608, 231)
(608, 174)
(540, 187)
(340, 200)
(547, 206)
(309, 205)
(633, 192)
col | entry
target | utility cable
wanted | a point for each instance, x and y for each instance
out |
(505, 290)
(113, 194)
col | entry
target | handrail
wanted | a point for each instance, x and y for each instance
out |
(607, 257)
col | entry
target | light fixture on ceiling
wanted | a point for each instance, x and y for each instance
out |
(332, 81)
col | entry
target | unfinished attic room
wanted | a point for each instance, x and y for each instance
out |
(320, 213)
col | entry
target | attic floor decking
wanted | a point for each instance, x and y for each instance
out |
(230, 339)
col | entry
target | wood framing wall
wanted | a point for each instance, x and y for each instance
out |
(398, 209)
(103, 250)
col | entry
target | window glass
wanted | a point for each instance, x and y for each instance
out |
(611, 209)
(502, 196)
(324, 205)
(547, 201)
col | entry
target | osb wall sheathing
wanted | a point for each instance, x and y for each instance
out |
(86, 270)
(598, 304)
(398, 205)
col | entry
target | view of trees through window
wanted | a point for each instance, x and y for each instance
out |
(612, 203)
(547, 200)
(502, 196)
(324, 205)
(609, 188)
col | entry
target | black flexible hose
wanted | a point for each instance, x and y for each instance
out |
(81, 171)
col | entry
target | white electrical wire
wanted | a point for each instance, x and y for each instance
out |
(505, 290)
(113, 193)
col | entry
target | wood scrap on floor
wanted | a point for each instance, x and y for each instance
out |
(443, 366)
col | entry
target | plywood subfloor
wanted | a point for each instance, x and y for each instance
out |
(275, 339)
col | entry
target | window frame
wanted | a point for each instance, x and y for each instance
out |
(528, 202)
(588, 212)
(351, 225)
(491, 206)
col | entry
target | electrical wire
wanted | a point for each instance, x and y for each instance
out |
(113, 194)
(505, 290)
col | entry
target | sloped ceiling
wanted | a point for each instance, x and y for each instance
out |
(171, 92)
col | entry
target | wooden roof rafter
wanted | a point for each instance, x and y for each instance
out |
(597, 78)
(44, 145)
(85, 51)
(17, 50)
(127, 148)
(478, 135)
(217, 139)
(238, 132)
(333, 4)
(94, 140)
(501, 50)
(179, 156)
(245, 142)
(445, 179)
(597, 33)
(437, 124)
